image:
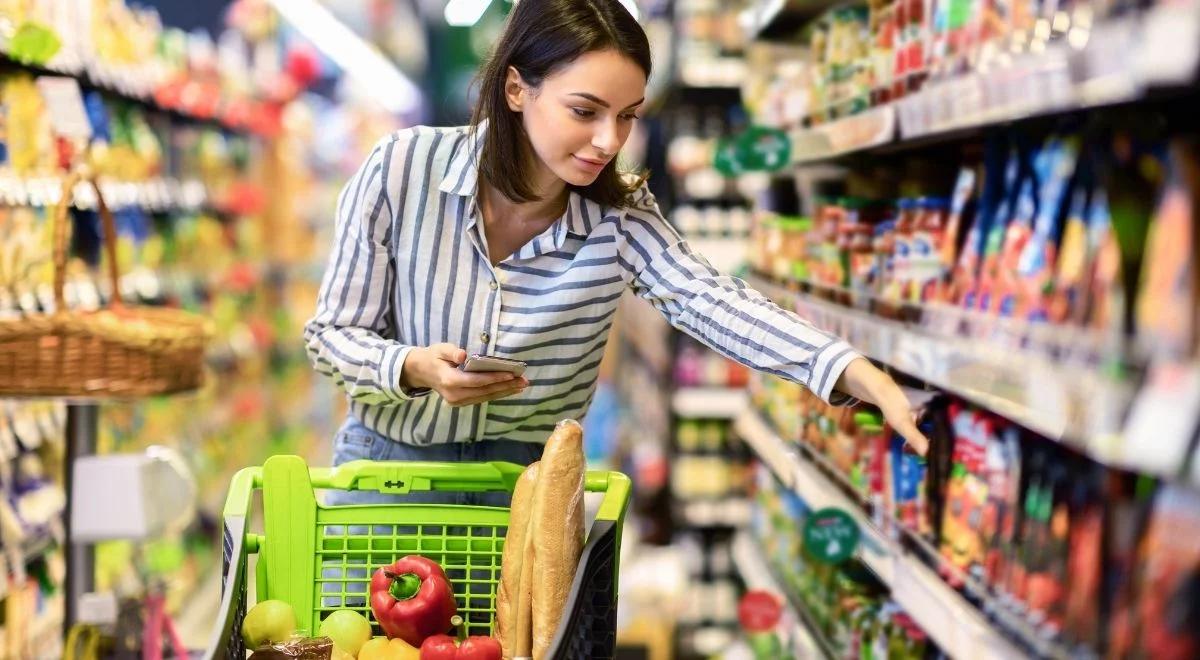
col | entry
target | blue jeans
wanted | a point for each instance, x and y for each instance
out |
(354, 441)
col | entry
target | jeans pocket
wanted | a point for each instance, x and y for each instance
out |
(356, 445)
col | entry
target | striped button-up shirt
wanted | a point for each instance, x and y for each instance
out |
(410, 268)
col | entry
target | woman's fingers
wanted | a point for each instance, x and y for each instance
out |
(496, 392)
(898, 412)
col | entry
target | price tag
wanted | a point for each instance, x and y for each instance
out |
(1163, 418)
(831, 536)
(64, 101)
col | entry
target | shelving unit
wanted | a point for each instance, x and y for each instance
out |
(957, 626)
(1118, 61)
(804, 640)
(1052, 385)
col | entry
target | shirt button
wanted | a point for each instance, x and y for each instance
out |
(493, 285)
(485, 337)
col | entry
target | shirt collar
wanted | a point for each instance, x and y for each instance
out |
(462, 178)
(463, 174)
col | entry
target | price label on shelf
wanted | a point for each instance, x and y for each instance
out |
(64, 102)
(1163, 419)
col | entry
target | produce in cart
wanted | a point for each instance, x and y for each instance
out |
(412, 599)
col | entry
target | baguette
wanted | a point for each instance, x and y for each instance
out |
(556, 530)
(513, 605)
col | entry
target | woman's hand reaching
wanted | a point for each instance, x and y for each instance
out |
(436, 368)
(863, 381)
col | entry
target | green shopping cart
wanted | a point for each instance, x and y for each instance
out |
(318, 558)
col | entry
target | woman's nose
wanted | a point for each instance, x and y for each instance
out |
(607, 139)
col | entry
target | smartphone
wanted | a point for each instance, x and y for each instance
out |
(488, 363)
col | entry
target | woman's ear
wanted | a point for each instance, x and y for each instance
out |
(514, 90)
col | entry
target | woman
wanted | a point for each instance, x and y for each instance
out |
(515, 237)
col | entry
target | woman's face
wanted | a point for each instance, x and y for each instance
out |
(581, 115)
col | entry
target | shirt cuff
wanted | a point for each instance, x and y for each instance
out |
(828, 365)
(391, 365)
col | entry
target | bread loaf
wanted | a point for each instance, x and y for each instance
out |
(556, 530)
(514, 613)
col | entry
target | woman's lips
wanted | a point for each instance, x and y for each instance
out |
(590, 165)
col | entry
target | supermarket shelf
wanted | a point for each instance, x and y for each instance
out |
(158, 194)
(709, 402)
(848, 135)
(780, 19)
(705, 514)
(112, 85)
(1031, 382)
(757, 574)
(917, 588)
(1120, 60)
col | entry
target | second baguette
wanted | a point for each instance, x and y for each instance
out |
(513, 598)
(556, 530)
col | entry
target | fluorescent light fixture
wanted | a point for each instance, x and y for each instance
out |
(465, 13)
(355, 57)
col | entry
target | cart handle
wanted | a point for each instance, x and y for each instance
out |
(401, 477)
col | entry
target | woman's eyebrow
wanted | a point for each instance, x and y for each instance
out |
(601, 102)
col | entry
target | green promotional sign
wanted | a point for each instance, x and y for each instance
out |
(765, 149)
(830, 536)
(757, 149)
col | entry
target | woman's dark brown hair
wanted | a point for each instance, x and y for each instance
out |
(541, 37)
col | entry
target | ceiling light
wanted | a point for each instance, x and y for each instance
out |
(356, 58)
(465, 13)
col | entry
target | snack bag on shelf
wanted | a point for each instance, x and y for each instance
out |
(1065, 299)
(997, 170)
(1104, 307)
(1129, 501)
(908, 487)
(901, 273)
(929, 234)
(950, 243)
(1004, 270)
(1082, 621)
(1169, 585)
(1167, 298)
(1036, 263)
(966, 495)
(1003, 473)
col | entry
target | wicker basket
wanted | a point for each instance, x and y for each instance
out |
(119, 351)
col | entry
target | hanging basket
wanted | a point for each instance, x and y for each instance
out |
(118, 351)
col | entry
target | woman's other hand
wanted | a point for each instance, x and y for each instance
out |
(436, 368)
(864, 381)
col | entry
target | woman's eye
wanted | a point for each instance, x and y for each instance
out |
(630, 117)
(583, 113)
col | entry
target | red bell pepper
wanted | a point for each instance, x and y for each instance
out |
(443, 647)
(412, 599)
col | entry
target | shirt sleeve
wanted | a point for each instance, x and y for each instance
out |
(723, 312)
(346, 338)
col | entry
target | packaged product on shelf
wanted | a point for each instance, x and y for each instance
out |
(1067, 296)
(1085, 569)
(1035, 265)
(962, 545)
(1002, 256)
(896, 289)
(1106, 290)
(1001, 513)
(1169, 578)
(1167, 299)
